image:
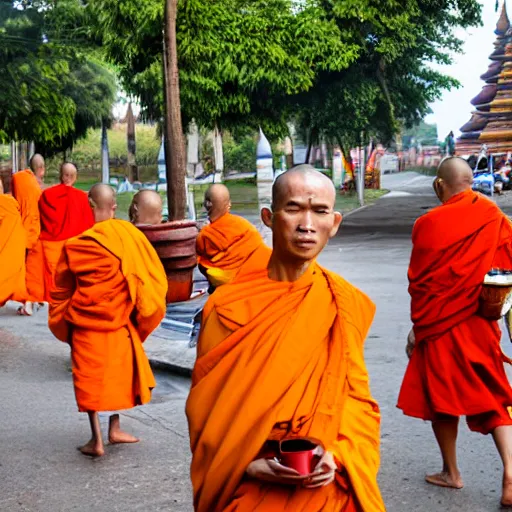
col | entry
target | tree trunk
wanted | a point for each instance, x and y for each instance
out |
(22, 156)
(132, 148)
(175, 159)
(313, 134)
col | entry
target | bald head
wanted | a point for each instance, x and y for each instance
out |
(303, 173)
(37, 166)
(146, 208)
(102, 199)
(454, 175)
(302, 220)
(217, 201)
(68, 174)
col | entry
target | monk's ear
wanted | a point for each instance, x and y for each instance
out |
(337, 222)
(266, 217)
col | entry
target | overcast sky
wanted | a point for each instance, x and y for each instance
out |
(454, 109)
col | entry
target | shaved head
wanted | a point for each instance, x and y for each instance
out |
(37, 166)
(68, 174)
(454, 175)
(303, 172)
(302, 220)
(217, 201)
(146, 208)
(102, 199)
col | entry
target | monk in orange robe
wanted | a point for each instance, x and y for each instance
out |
(26, 188)
(456, 366)
(229, 243)
(146, 208)
(280, 356)
(12, 250)
(109, 296)
(64, 212)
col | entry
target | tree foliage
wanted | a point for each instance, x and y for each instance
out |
(52, 91)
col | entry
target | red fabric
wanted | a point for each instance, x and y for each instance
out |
(456, 367)
(65, 212)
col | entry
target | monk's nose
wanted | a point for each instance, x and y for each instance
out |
(306, 222)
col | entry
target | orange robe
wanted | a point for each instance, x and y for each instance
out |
(280, 359)
(27, 190)
(12, 251)
(65, 212)
(228, 244)
(109, 296)
(456, 368)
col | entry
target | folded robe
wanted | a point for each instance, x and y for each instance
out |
(263, 362)
(65, 212)
(109, 296)
(228, 244)
(12, 251)
(27, 191)
(457, 367)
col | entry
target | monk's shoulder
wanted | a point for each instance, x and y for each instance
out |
(9, 204)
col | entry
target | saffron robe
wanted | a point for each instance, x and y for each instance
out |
(64, 212)
(12, 251)
(27, 191)
(109, 296)
(228, 244)
(266, 370)
(456, 367)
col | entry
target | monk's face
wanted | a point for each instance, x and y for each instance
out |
(68, 177)
(304, 219)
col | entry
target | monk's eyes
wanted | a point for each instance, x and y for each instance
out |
(322, 212)
(292, 210)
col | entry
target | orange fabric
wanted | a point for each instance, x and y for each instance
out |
(51, 255)
(225, 245)
(64, 212)
(262, 362)
(35, 274)
(457, 367)
(26, 190)
(12, 251)
(109, 296)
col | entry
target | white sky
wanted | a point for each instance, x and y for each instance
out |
(454, 108)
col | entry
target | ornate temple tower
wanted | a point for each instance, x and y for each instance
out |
(491, 122)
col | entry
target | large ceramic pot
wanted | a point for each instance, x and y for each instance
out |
(175, 244)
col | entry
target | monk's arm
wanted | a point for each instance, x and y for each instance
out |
(61, 295)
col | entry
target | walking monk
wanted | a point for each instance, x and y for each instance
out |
(109, 296)
(280, 356)
(26, 189)
(456, 366)
(146, 208)
(12, 250)
(64, 212)
(229, 242)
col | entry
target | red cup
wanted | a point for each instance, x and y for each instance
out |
(299, 454)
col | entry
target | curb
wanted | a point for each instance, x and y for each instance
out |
(351, 212)
(175, 369)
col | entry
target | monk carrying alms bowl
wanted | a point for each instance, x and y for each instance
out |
(495, 297)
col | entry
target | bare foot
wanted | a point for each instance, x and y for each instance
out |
(445, 480)
(93, 448)
(116, 435)
(506, 497)
(119, 436)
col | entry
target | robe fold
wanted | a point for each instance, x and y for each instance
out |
(265, 370)
(109, 295)
(12, 251)
(228, 244)
(64, 212)
(27, 191)
(456, 367)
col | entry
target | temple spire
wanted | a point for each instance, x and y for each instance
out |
(503, 22)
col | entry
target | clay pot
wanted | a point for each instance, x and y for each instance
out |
(175, 244)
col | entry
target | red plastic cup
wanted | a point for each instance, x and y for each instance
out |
(299, 454)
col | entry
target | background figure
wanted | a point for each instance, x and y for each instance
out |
(146, 208)
(109, 296)
(456, 366)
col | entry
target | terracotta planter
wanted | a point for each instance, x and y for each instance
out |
(175, 244)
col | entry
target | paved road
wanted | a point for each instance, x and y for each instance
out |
(41, 471)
